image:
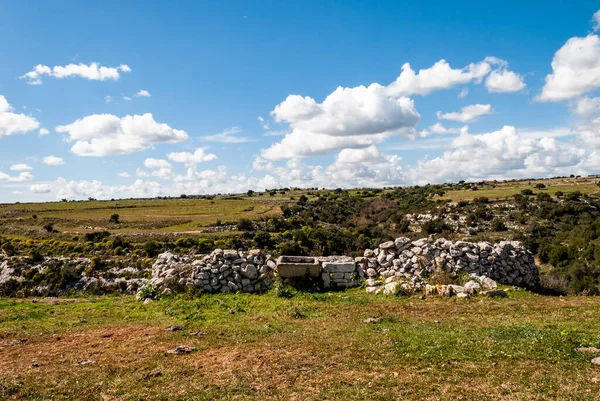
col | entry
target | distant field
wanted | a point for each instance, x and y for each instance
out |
(506, 190)
(312, 346)
(192, 216)
(139, 215)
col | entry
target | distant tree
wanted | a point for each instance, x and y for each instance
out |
(539, 186)
(183, 196)
(114, 219)
(49, 227)
(527, 192)
(245, 225)
(250, 192)
(34, 216)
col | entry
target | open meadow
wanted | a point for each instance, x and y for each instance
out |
(303, 346)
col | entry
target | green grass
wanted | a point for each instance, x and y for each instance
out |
(312, 346)
(507, 191)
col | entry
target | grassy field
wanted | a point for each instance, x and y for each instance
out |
(508, 189)
(313, 346)
(193, 216)
(156, 215)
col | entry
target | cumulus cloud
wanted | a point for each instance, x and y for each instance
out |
(347, 118)
(156, 163)
(93, 71)
(575, 70)
(124, 175)
(362, 116)
(228, 135)
(160, 168)
(467, 114)
(437, 77)
(106, 134)
(21, 167)
(22, 176)
(143, 93)
(500, 154)
(96, 189)
(504, 81)
(53, 160)
(14, 123)
(587, 108)
(191, 159)
(44, 131)
(40, 188)
(439, 129)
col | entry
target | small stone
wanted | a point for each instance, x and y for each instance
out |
(86, 362)
(371, 272)
(180, 350)
(174, 328)
(387, 245)
(372, 320)
(462, 295)
(593, 350)
(147, 301)
(472, 287)
(596, 361)
(495, 294)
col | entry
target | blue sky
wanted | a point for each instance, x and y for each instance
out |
(209, 70)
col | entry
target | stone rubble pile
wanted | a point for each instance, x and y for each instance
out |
(21, 269)
(406, 266)
(219, 271)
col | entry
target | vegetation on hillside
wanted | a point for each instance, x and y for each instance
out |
(556, 219)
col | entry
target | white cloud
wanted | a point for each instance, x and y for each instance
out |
(106, 134)
(575, 70)
(53, 160)
(439, 129)
(160, 168)
(98, 190)
(13, 123)
(586, 107)
(44, 131)
(40, 188)
(191, 159)
(504, 81)
(228, 135)
(22, 176)
(124, 175)
(437, 77)
(263, 123)
(108, 99)
(93, 71)
(156, 163)
(596, 20)
(143, 93)
(361, 116)
(347, 118)
(126, 98)
(467, 114)
(141, 173)
(497, 155)
(463, 93)
(21, 167)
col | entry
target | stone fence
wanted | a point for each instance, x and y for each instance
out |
(405, 263)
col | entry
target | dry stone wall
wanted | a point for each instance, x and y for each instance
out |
(400, 264)
(413, 262)
(220, 271)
